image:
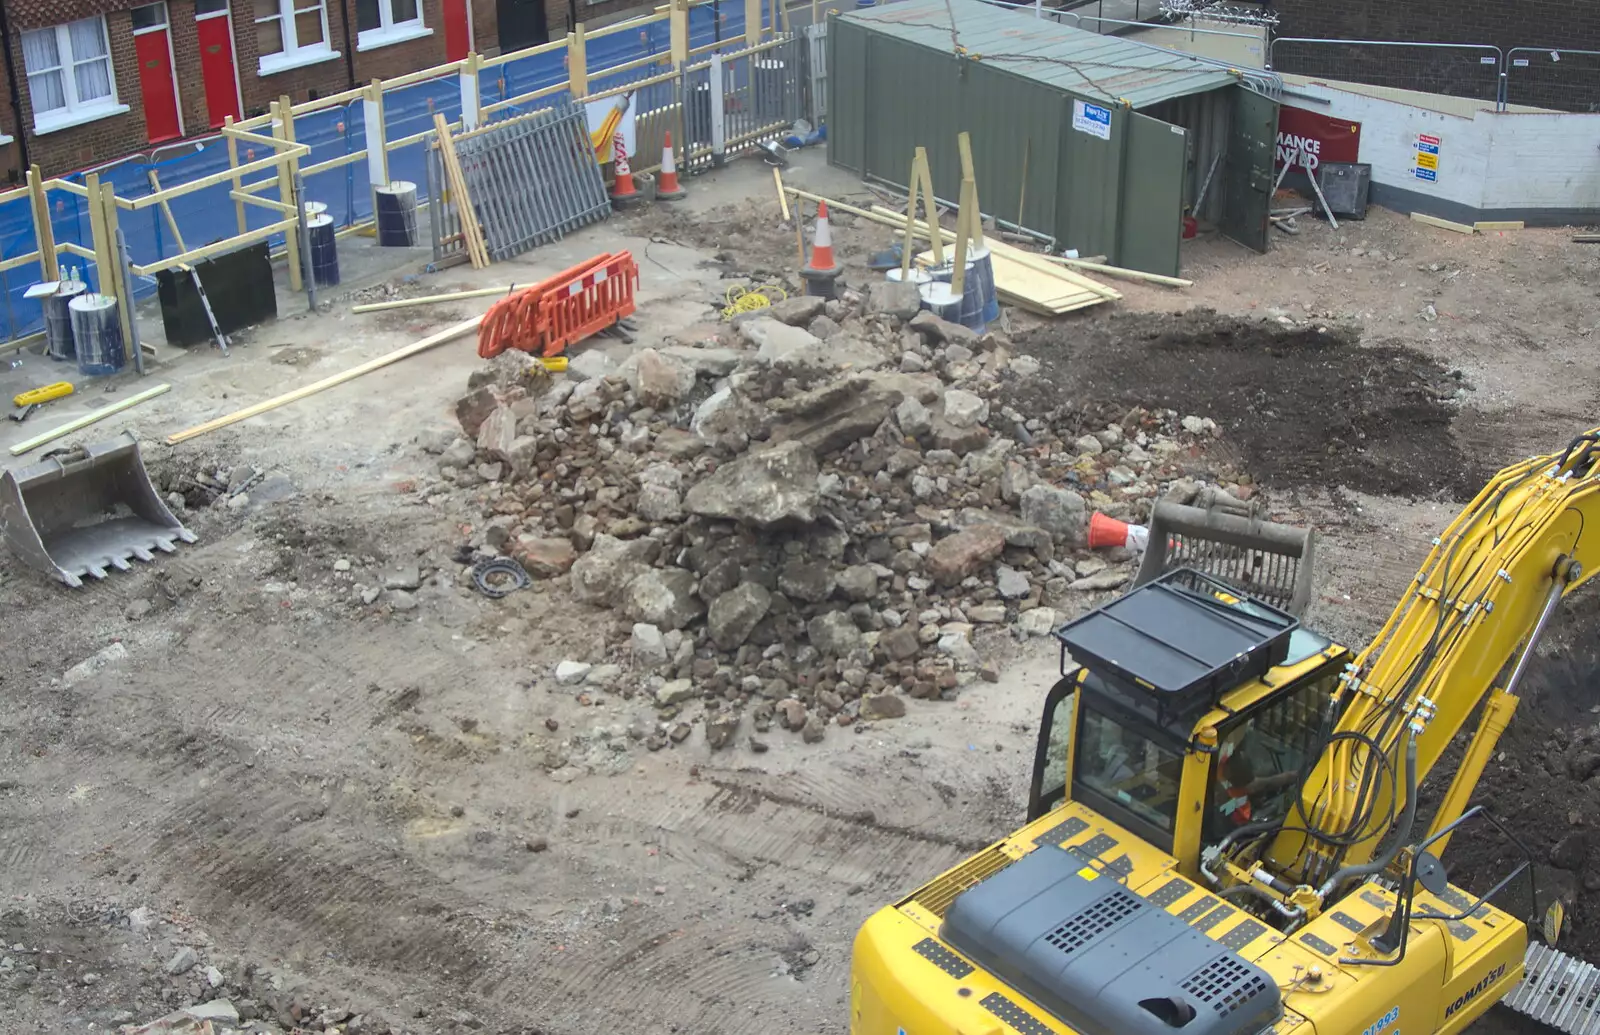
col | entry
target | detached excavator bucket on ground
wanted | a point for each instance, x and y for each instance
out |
(1226, 538)
(82, 511)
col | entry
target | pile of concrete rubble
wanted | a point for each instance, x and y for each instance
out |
(820, 510)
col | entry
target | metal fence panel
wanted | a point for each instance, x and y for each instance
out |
(1553, 77)
(1456, 69)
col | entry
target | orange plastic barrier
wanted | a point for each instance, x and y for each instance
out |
(514, 321)
(588, 303)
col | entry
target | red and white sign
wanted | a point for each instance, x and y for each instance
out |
(1306, 139)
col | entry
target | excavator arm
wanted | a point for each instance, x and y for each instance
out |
(1460, 637)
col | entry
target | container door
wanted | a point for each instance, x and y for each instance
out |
(214, 32)
(1247, 173)
(158, 87)
(457, 30)
(1153, 169)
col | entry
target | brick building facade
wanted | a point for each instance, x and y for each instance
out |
(91, 81)
(1570, 84)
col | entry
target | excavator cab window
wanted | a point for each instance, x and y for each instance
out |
(1054, 749)
(1263, 756)
(1123, 771)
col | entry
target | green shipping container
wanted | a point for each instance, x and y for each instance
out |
(1114, 138)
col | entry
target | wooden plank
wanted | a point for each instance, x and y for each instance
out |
(104, 265)
(964, 142)
(1442, 224)
(1119, 271)
(448, 334)
(43, 229)
(1499, 224)
(453, 296)
(87, 419)
(964, 233)
(457, 181)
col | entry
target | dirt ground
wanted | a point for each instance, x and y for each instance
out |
(347, 809)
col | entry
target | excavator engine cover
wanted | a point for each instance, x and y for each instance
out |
(1104, 960)
(82, 511)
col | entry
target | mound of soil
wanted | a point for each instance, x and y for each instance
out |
(1544, 782)
(1305, 406)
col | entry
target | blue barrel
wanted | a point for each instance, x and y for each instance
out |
(324, 250)
(58, 320)
(941, 301)
(919, 276)
(972, 303)
(396, 214)
(983, 269)
(97, 333)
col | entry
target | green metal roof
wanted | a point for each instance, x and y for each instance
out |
(1081, 62)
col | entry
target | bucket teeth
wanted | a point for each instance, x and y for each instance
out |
(81, 512)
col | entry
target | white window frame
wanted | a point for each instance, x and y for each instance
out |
(293, 55)
(75, 113)
(391, 32)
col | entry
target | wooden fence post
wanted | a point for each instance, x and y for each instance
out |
(283, 129)
(678, 25)
(105, 280)
(122, 288)
(377, 154)
(577, 62)
(752, 22)
(43, 230)
(233, 163)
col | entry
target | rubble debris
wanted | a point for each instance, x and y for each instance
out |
(795, 530)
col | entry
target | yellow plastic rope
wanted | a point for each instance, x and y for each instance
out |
(748, 300)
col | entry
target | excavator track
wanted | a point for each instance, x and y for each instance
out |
(1559, 991)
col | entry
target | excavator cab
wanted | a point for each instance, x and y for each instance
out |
(1185, 710)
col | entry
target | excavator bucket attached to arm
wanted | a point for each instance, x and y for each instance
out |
(1225, 538)
(82, 511)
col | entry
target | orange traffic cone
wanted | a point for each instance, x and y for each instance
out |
(822, 272)
(822, 260)
(623, 192)
(669, 189)
(1108, 531)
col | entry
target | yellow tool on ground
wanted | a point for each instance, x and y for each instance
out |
(34, 396)
(554, 364)
(748, 300)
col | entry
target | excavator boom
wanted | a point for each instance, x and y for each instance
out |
(1461, 633)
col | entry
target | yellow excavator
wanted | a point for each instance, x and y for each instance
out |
(1223, 835)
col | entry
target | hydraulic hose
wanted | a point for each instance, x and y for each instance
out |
(1402, 833)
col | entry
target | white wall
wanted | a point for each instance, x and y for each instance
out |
(1389, 132)
(1242, 53)
(1543, 161)
(1490, 160)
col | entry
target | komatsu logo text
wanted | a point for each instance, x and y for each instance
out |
(1472, 993)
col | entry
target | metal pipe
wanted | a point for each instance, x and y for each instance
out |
(305, 240)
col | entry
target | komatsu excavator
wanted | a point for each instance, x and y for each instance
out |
(1223, 833)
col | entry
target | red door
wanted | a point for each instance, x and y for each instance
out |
(152, 48)
(220, 78)
(457, 30)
